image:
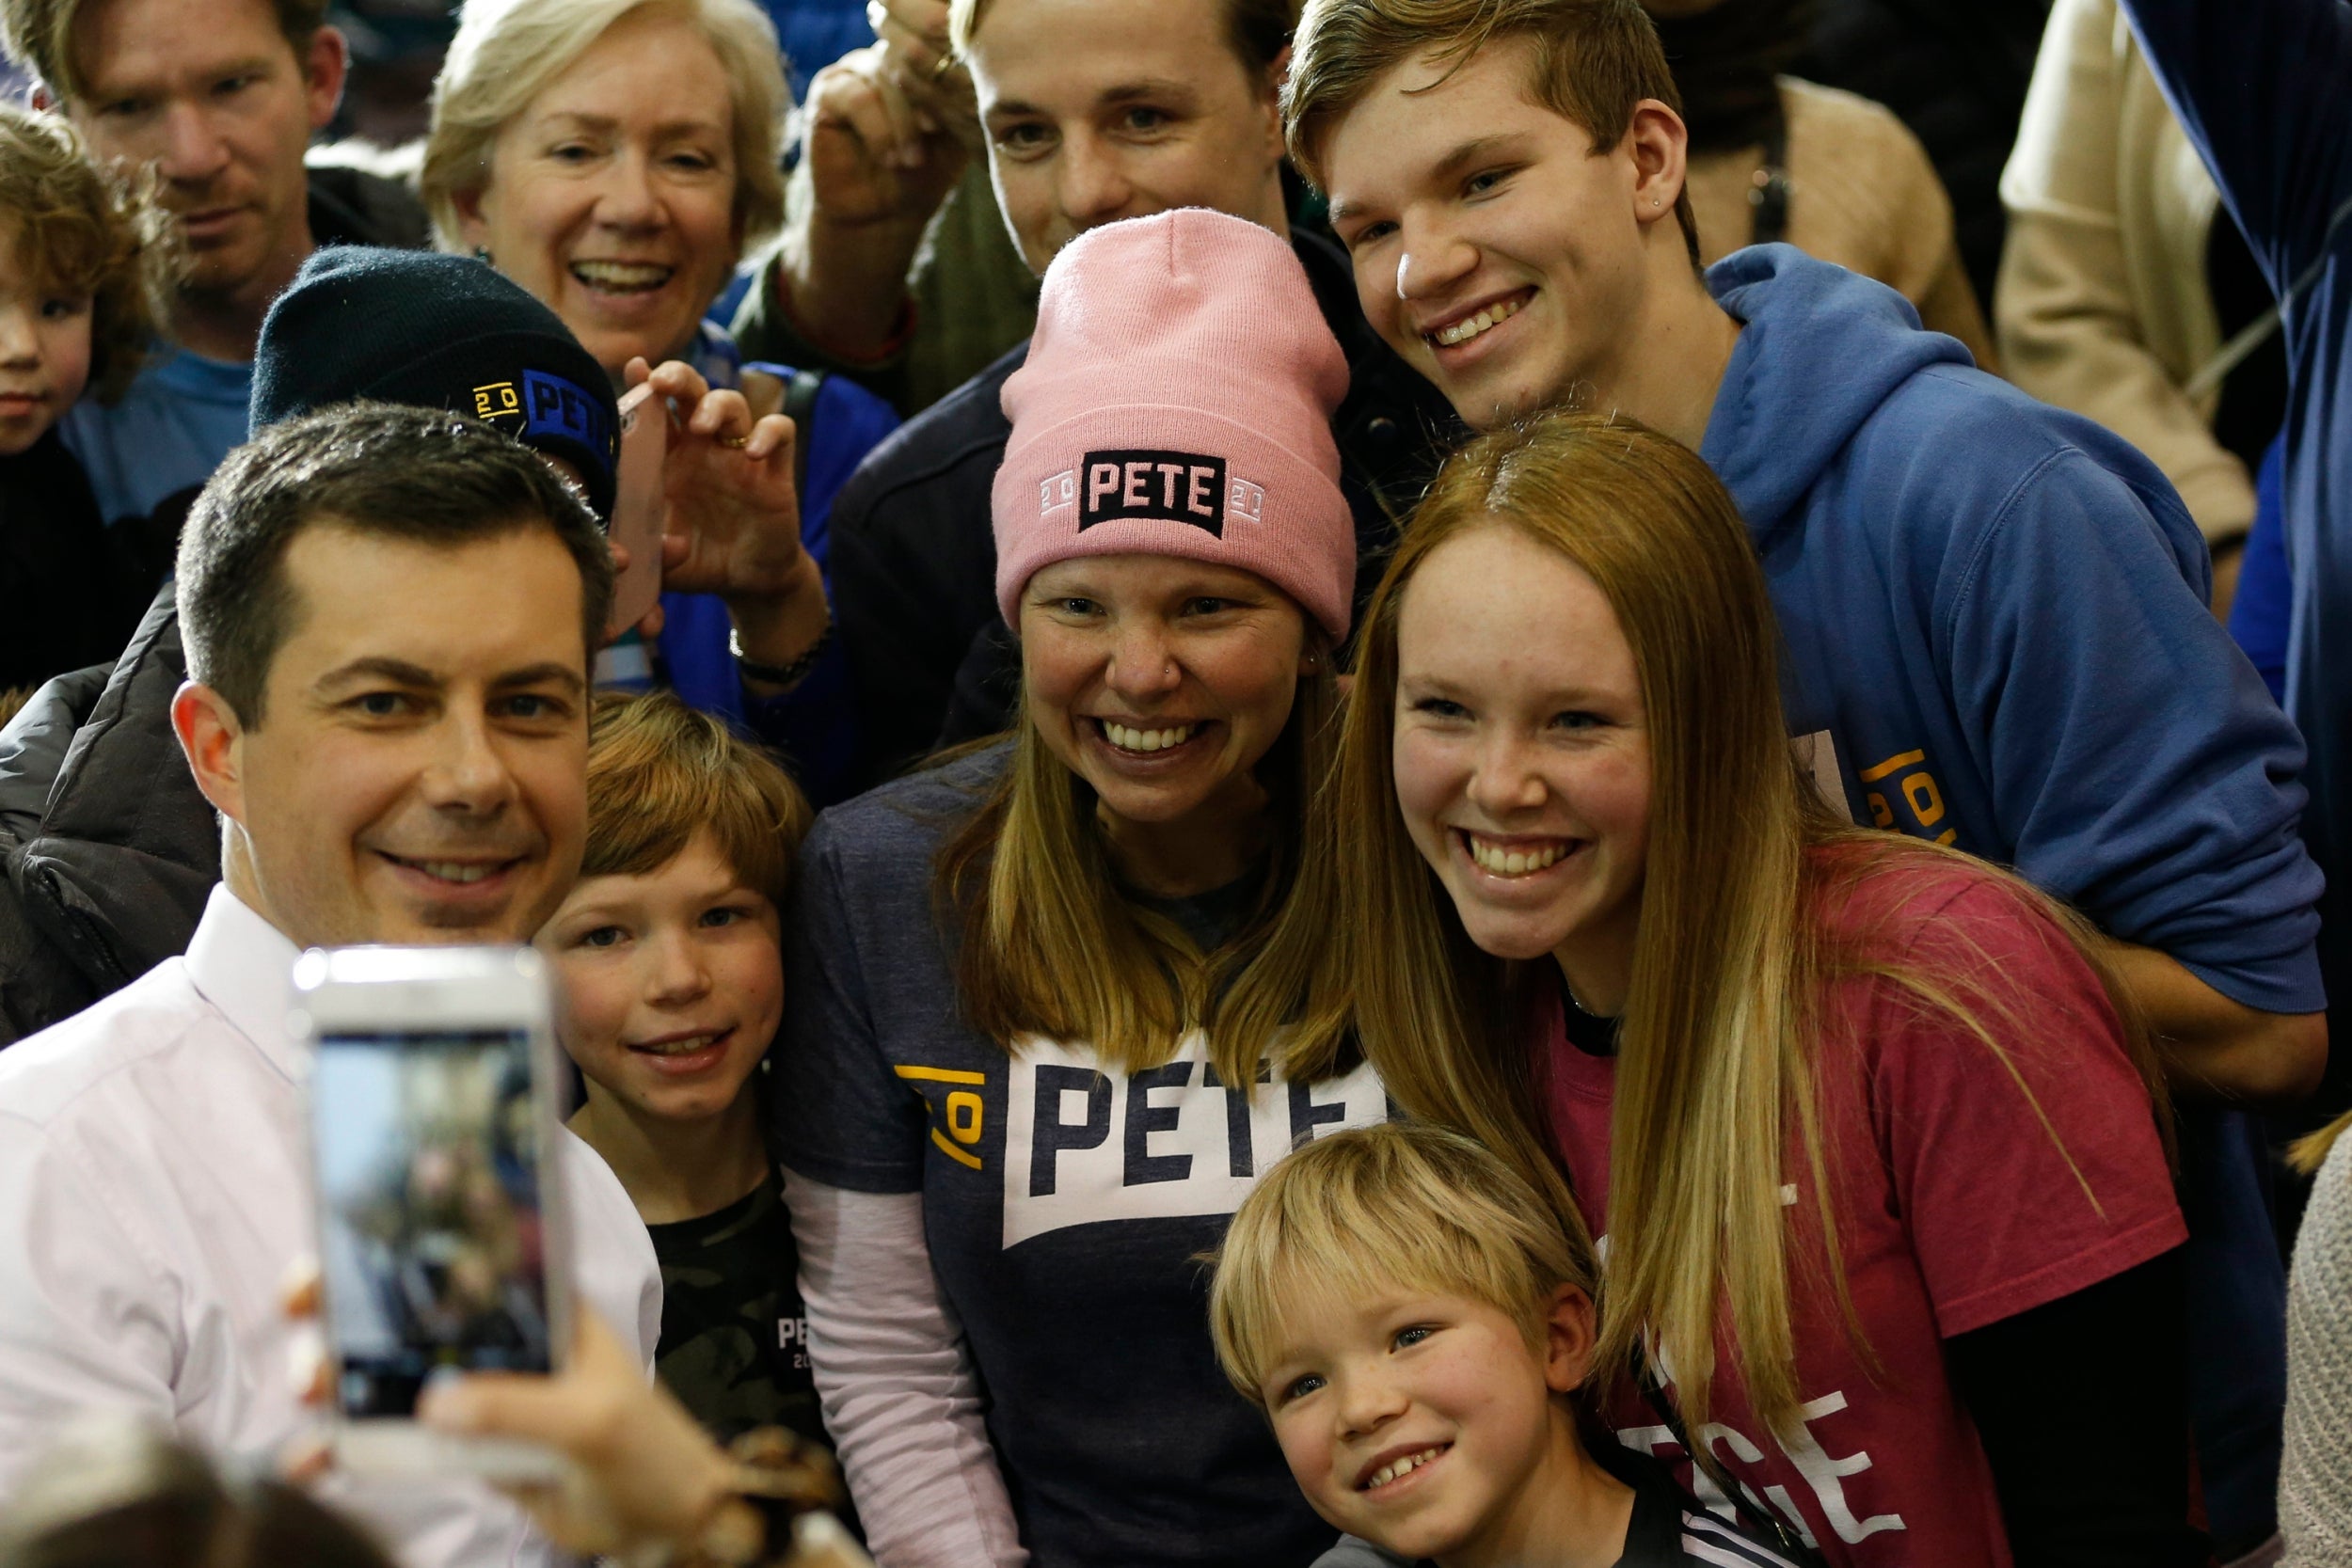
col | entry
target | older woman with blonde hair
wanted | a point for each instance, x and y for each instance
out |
(616, 158)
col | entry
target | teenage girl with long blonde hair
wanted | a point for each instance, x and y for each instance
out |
(1888, 1220)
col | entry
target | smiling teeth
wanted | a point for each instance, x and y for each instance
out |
(451, 871)
(680, 1048)
(1146, 740)
(1463, 331)
(1404, 1466)
(1513, 863)
(623, 275)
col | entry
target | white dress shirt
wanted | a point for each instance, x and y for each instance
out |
(154, 1191)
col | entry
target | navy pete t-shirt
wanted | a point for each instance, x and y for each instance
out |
(1066, 1204)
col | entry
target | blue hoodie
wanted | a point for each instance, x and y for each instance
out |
(1998, 612)
(1997, 609)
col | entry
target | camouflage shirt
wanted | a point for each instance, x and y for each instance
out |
(734, 1334)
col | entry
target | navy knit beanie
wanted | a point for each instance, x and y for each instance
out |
(411, 326)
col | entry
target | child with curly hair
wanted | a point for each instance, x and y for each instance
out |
(83, 260)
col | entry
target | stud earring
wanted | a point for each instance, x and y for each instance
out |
(481, 254)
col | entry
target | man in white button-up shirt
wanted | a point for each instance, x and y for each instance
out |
(389, 615)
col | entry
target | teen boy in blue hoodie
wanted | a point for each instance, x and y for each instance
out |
(1993, 610)
(2265, 88)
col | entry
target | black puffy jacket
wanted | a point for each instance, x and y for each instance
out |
(110, 850)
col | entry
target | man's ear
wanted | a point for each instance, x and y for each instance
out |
(1570, 1332)
(212, 739)
(1278, 73)
(326, 63)
(1659, 145)
(1271, 98)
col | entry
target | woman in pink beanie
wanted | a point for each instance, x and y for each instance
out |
(1040, 996)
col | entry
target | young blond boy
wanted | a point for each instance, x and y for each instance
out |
(1418, 1328)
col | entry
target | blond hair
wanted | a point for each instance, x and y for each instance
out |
(1718, 1040)
(1404, 1205)
(2309, 1151)
(84, 229)
(1595, 62)
(660, 772)
(507, 52)
(1051, 945)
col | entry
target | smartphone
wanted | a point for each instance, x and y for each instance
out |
(638, 504)
(441, 1231)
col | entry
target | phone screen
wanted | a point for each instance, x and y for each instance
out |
(433, 1232)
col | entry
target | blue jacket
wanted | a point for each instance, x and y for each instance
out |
(2264, 89)
(1997, 609)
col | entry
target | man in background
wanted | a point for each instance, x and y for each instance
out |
(220, 97)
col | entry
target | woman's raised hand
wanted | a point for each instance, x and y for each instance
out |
(733, 523)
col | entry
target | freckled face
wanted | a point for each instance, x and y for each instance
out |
(1523, 758)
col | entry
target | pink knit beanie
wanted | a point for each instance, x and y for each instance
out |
(1177, 401)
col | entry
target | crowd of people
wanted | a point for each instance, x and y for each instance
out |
(1499, 783)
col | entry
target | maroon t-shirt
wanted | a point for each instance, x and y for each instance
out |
(1955, 1209)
